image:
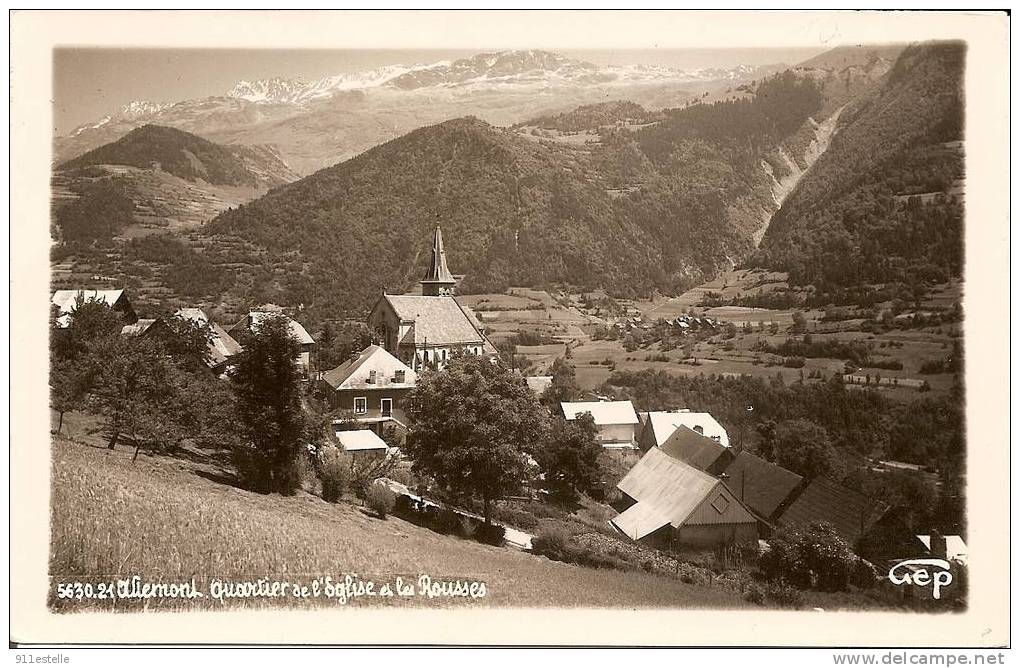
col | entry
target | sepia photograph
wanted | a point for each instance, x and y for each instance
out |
(460, 328)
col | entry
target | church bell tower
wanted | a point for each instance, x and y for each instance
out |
(438, 280)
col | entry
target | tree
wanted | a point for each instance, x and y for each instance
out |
(805, 448)
(136, 388)
(813, 558)
(570, 457)
(267, 385)
(472, 426)
(564, 385)
(67, 388)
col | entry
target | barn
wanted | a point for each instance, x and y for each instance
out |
(674, 504)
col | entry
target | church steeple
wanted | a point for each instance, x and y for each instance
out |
(438, 280)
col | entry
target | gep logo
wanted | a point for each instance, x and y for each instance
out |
(914, 571)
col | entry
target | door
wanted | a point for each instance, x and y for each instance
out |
(387, 407)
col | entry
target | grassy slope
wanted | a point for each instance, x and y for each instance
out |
(155, 518)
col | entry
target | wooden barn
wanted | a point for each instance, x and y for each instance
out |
(673, 504)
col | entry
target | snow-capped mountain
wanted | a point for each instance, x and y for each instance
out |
(317, 123)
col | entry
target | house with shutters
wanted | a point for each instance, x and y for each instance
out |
(427, 330)
(373, 384)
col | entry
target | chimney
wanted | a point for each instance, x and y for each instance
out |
(371, 377)
(939, 549)
(398, 376)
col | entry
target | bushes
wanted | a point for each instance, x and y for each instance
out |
(381, 499)
(817, 558)
(555, 542)
(334, 473)
(490, 534)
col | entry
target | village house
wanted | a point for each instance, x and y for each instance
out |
(221, 346)
(65, 301)
(617, 422)
(660, 425)
(851, 513)
(427, 330)
(667, 503)
(373, 384)
(761, 486)
(701, 452)
(251, 322)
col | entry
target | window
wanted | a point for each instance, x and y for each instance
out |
(360, 405)
(386, 407)
(720, 504)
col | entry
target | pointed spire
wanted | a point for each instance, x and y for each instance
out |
(438, 280)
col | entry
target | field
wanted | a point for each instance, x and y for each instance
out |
(166, 520)
(573, 318)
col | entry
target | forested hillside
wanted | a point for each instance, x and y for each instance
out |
(884, 203)
(186, 156)
(660, 208)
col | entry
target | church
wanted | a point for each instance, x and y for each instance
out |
(426, 330)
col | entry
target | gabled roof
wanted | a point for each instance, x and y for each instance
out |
(355, 373)
(438, 320)
(664, 423)
(697, 450)
(850, 513)
(670, 491)
(360, 439)
(256, 318)
(604, 412)
(222, 346)
(65, 300)
(761, 485)
(955, 547)
(138, 328)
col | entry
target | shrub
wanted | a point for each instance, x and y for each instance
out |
(756, 594)
(490, 534)
(381, 499)
(794, 362)
(335, 473)
(817, 558)
(551, 541)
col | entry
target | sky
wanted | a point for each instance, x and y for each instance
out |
(89, 83)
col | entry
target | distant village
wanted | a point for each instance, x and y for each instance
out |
(691, 486)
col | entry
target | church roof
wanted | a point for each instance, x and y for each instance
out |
(437, 320)
(438, 271)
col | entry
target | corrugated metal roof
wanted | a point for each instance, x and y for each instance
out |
(640, 520)
(665, 423)
(671, 485)
(850, 513)
(955, 547)
(360, 439)
(760, 484)
(604, 412)
(138, 328)
(695, 449)
(66, 299)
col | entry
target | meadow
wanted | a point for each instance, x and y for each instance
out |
(165, 520)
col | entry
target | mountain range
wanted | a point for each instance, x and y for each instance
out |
(319, 123)
(616, 194)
